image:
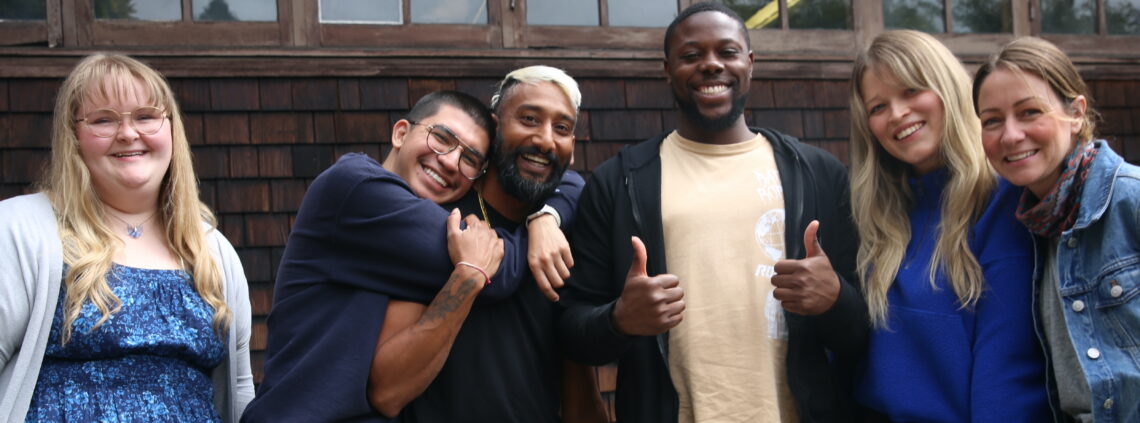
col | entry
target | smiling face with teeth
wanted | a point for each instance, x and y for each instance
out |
(128, 161)
(907, 122)
(433, 176)
(709, 67)
(1027, 131)
(536, 140)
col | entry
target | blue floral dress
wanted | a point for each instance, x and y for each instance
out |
(150, 362)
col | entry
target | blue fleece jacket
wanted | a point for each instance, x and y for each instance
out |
(938, 362)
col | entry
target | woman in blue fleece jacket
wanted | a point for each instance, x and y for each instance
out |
(947, 270)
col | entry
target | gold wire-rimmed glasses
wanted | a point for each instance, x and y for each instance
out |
(441, 141)
(105, 123)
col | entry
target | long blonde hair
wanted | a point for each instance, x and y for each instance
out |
(88, 244)
(881, 196)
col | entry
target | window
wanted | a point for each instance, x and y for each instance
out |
(967, 16)
(1123, 17)
(471, 12)
(23, 10)
(1120, 17)
(828, 31)
(802, 14)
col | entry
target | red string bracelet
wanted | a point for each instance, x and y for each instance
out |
(480, 269)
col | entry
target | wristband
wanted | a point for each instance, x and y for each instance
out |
(546, 209)
(480, 269)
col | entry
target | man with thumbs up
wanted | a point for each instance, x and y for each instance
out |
(715, 263)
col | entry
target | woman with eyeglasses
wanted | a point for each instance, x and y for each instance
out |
(121, 299)
(1082, 201)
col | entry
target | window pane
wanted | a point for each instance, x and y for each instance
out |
(1123, 16)
(234, 10)
(22, 10)
(150, 10)
(756, 13)
(361, 11)
(450, 11)
(819, 14)
(648, 13)
(921, 15)
(982, 16)
(562, 12)
(1068, 16)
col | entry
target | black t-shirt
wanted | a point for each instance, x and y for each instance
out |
(504, 365)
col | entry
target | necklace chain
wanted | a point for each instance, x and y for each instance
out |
(483, 208)
(134, 231)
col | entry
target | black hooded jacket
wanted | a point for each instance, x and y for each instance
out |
(623, 198)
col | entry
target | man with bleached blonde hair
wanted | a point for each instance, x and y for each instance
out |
(504, 364)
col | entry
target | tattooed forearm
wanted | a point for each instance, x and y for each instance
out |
(450, 298)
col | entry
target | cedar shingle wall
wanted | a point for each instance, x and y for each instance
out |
(258, 142)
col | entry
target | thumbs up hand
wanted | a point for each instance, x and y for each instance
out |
(648, 305)
(808, 286)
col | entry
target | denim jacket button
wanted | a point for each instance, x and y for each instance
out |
(1072, 242)
(1108, 403)
(1093, 353)
(1115, 291)
(1078, 306)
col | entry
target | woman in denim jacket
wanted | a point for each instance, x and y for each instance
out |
(1083, 203)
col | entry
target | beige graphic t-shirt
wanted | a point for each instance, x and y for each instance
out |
(722, 210)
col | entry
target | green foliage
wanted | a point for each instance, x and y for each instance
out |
(1068, 16)
(115, 9)
(982, 16)
(820, 14)
(1122, 17)
(919, 15)
(217, 10)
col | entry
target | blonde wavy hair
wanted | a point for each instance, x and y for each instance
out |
(88, 243)
(881, 196)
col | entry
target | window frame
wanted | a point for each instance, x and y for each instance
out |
(71, 24)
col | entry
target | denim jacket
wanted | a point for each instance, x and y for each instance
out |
(1098, 270)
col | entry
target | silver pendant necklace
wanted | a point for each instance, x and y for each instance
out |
(135, 231)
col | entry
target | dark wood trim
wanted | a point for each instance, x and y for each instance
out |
(824, 42)
(1022, 24)
(513, 23)
(1101, 18)
(407, 36)
(54, 23)
(306, 23)
(143, 33)
(782, 6)
(603, 13)
(982, 45)
(187, 11)
(867, 18)
(495, 22)
(592, 37)
(24, 32)
(285, 33)
(948, 16)
(77, 16)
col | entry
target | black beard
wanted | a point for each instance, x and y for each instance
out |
(689, 109)
(520, 187)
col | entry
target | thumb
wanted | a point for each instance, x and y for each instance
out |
(637, 268)
(811, 240)
(453, 222)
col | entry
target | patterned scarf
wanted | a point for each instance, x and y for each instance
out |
(1057, 212)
